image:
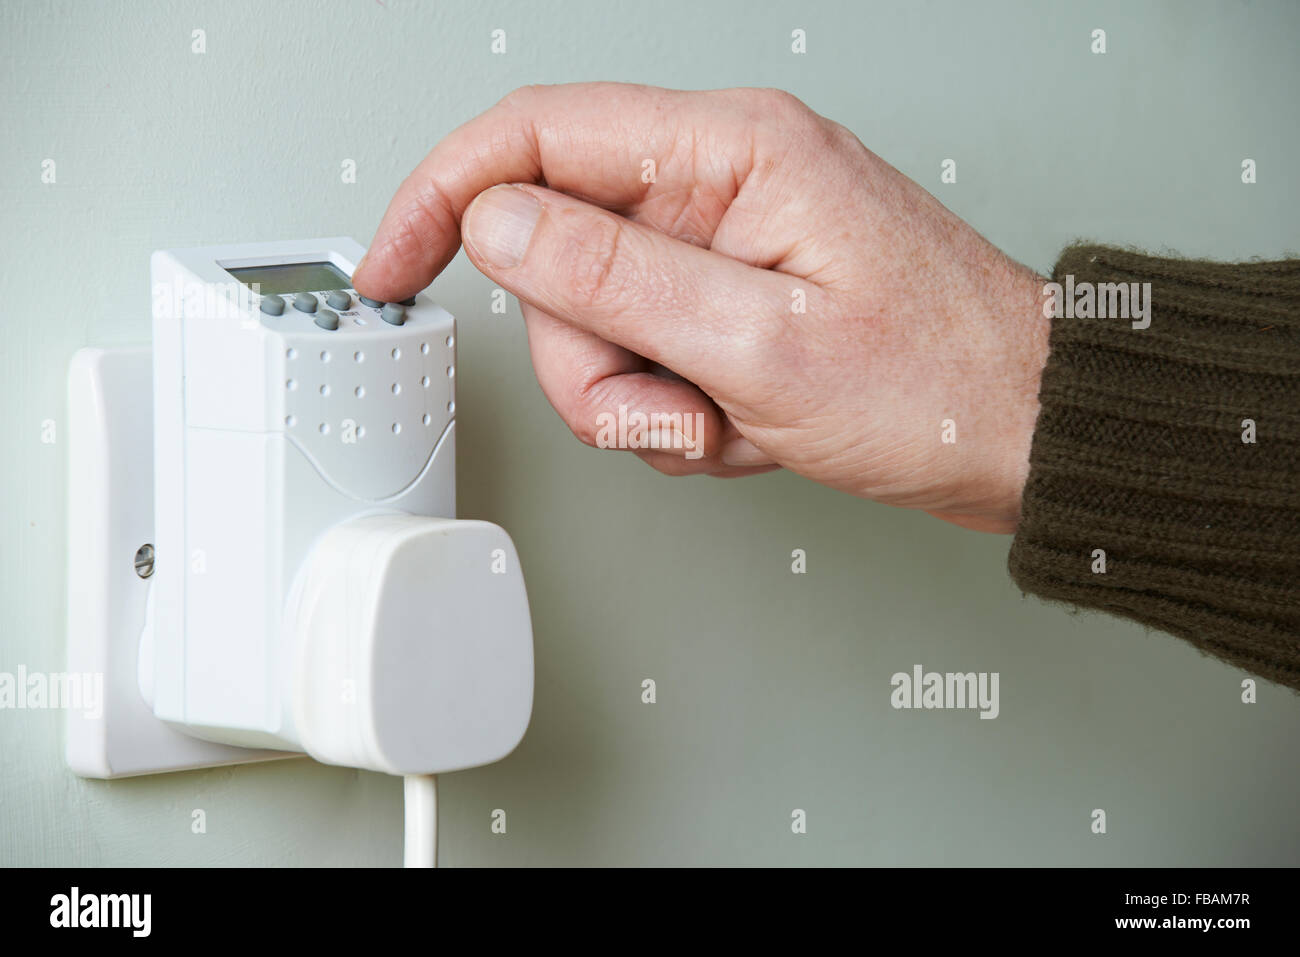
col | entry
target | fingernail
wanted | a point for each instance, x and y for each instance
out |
(742, 452)
(499, 225)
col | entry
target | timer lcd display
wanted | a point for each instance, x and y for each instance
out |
(292, 277)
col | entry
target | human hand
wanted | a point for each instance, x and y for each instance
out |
(683, 295)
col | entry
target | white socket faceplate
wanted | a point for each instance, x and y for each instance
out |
(110, 516)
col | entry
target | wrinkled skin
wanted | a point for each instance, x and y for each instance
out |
(910, 317)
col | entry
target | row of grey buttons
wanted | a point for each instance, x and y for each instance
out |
(393, 313)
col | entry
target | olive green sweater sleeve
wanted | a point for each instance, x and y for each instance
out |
(1164, 479)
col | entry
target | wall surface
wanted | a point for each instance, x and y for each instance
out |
(773, 688)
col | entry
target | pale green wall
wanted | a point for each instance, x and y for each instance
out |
(773, 689)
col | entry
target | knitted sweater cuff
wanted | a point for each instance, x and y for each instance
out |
(1164, 479)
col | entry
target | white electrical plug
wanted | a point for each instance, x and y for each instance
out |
(412, 646)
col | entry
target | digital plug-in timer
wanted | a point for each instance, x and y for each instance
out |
(310, 588)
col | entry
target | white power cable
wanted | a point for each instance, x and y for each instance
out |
(421, 797)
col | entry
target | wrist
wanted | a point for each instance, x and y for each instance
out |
(1009, 395)
(1028, 332)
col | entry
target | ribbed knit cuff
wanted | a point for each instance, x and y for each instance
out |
(1164, 478)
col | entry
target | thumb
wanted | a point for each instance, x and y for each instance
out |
(707, 317)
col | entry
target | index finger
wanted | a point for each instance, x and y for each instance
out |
(586, 139)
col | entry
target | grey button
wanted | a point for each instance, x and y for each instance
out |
(305, 302)
(394, 314)
(327, 320)
(272, 305)
(409, 302)
(372, 303)
(338, 299)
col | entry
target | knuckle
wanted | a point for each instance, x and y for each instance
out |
(781, 104)
(424, 217)
(585, 416)
(589, 267)
(520, 96)
(840, 136)
(785, 100)
(773, 348)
